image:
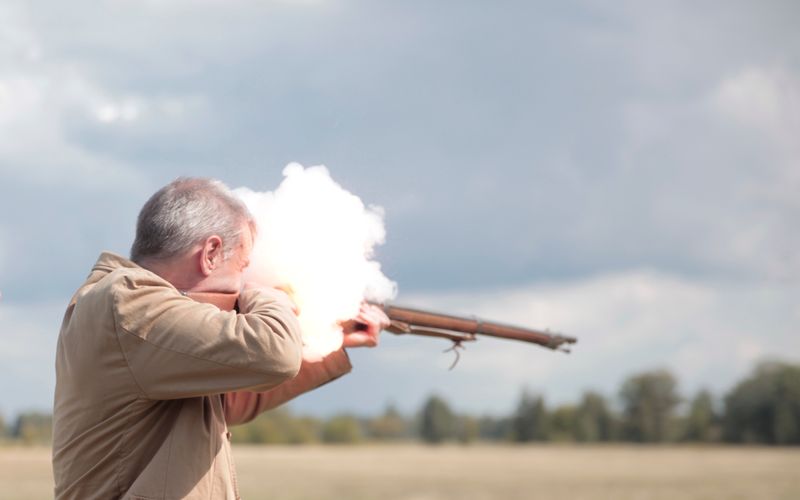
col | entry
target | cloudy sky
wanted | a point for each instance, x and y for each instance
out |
(628, 174)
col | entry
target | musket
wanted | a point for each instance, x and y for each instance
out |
(459, 329)
(405, 321)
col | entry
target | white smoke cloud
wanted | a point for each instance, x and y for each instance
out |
(319, 239)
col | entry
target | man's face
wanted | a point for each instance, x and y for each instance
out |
(227, 277)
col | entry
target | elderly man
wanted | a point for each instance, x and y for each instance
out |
(158, 354)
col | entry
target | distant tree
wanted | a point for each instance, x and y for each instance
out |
(702, 423)
(33, 428)
(278, 426)
(494, 429)
(649, 400)
(262, 430)
(765, 407)
(3, 430)
(342, 429)
(594, 421)
(305, 430)
(530, 422)
(389, 426)
(437, 422)
(467, 429)
(563, 423)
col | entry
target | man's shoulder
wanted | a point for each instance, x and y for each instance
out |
(112, 276)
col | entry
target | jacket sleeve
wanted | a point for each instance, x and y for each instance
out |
(178, 348)
(244, 406)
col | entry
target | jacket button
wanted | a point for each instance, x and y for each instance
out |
(228, 435)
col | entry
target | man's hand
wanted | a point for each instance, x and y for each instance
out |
(283, 294)
(364, 329)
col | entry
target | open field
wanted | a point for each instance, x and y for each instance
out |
(414, 472)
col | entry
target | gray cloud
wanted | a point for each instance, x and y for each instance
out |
(566, 133)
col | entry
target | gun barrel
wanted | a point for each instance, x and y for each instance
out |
(407, 320)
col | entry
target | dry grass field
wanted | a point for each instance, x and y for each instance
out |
(413, 472)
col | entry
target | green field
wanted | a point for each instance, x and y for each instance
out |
(415, 472)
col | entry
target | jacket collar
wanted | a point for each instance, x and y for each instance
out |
(109, 261)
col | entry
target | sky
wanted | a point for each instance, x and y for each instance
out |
(627, 172)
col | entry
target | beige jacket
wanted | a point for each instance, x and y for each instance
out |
(147, 381)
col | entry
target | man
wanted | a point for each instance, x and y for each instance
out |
(153, 364)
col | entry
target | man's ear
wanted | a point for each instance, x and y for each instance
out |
(210, 254)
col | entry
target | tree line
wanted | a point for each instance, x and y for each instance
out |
(648, 408)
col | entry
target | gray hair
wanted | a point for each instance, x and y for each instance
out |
(184, 213)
